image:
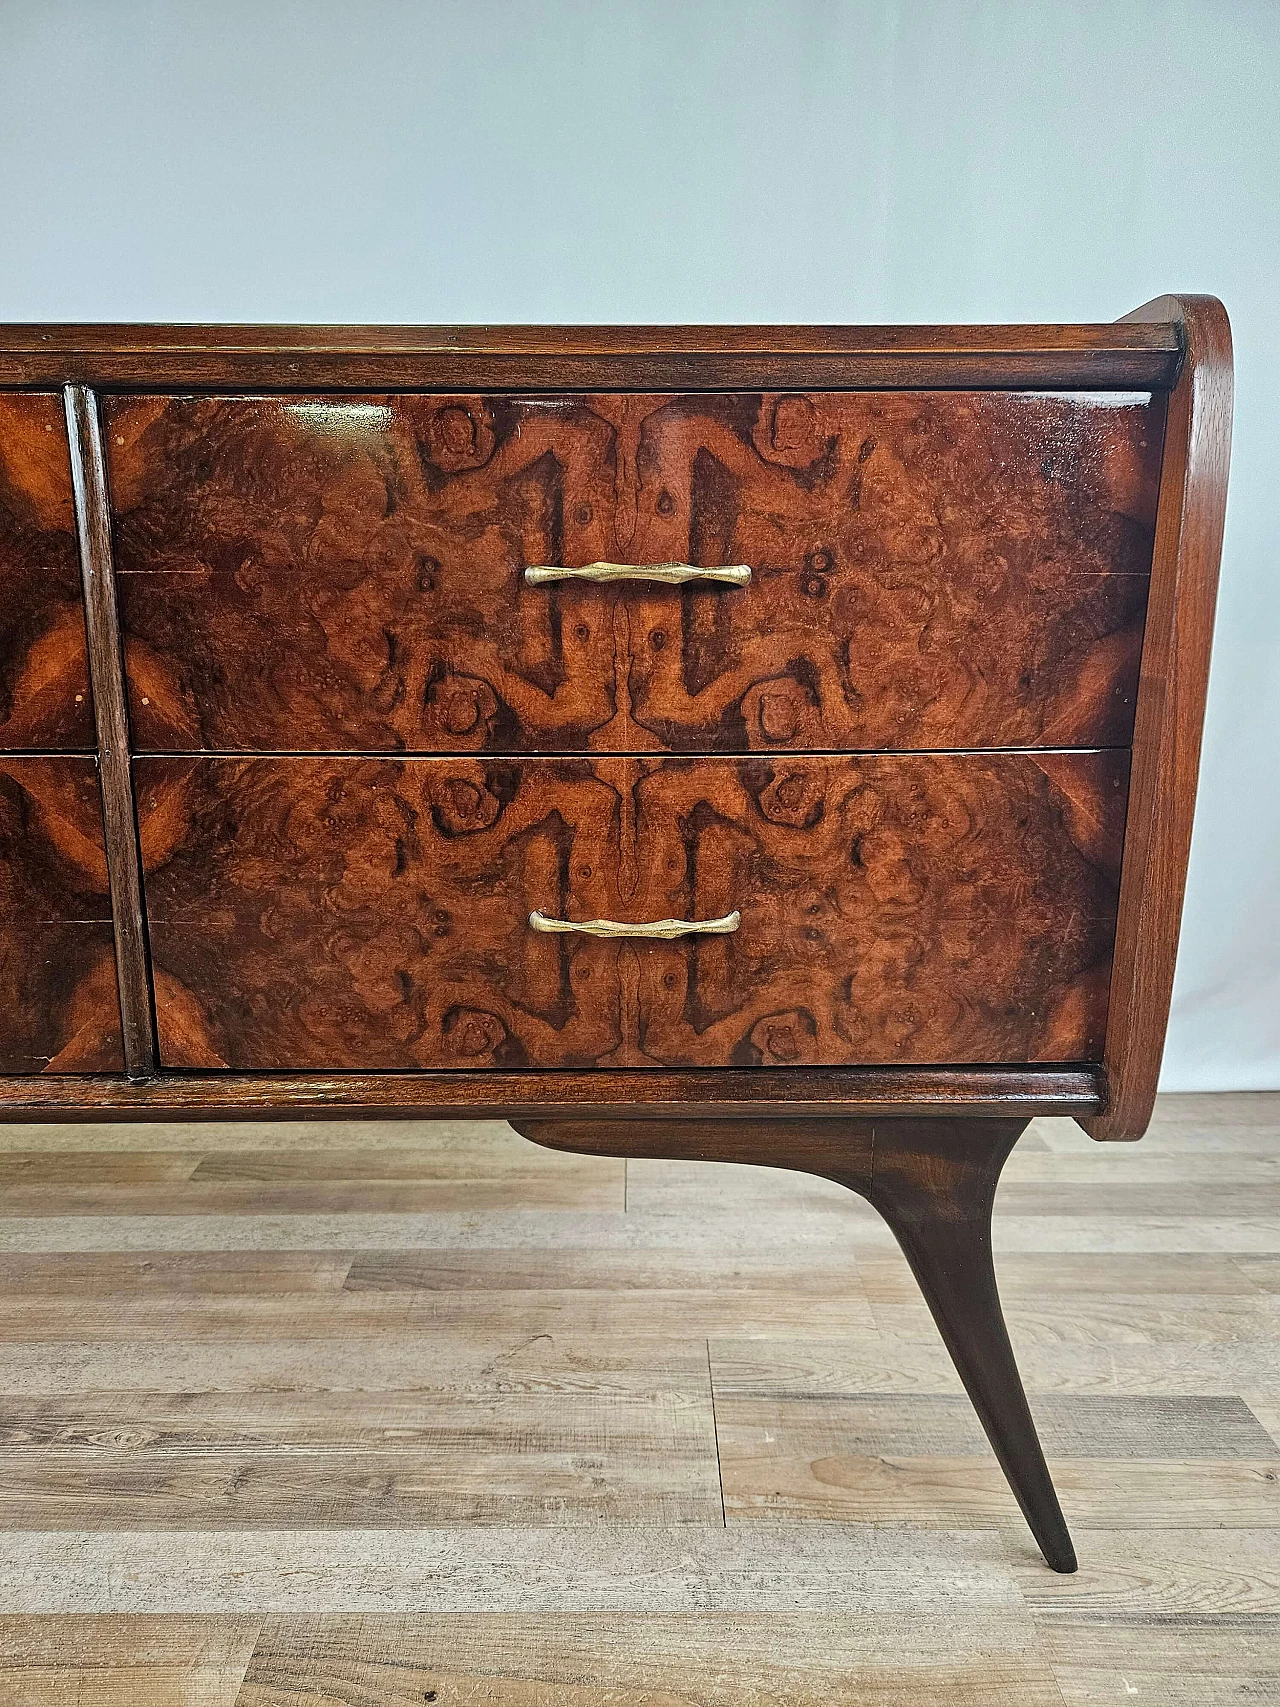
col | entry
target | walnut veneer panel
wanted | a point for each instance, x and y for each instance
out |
(44, 670)
(372, 913)
(59, 1011)
(931, 570)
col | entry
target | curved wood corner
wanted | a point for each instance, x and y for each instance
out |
(1170, 708)
(838, 1149)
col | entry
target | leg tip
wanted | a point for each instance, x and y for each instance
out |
(1061, 1557)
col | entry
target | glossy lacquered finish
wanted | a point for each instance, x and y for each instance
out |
(58, 1010)
(44, 670)
(928, 570)
(1166, 739)
(1120, 356)
(889, 763)
(351, 913)
(93, 524)
(742, 1097)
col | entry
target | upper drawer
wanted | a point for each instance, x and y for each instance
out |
(929, 570)
(44, 668)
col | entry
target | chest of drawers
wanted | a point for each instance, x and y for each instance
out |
(767, 744)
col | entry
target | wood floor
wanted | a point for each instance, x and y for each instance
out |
(316, 1414)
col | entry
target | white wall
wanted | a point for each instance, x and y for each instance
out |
(610, 160)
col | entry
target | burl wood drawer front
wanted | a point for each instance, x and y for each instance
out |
(374, 913)
(59, 1012)
(44, 669)
(929, 570)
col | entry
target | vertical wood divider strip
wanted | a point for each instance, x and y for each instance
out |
(106, 674)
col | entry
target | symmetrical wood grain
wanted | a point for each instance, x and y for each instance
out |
(952, 534)
(931, 570)
(44, 672)
(58, 1009)
(372, 913)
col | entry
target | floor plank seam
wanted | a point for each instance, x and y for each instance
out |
(715, 1429)
(267, 1458)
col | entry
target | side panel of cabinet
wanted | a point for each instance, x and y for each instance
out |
(365, 913)
(44, 671)
(60, 1011)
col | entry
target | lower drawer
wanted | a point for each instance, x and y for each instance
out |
(368, 913)
(59, 1012)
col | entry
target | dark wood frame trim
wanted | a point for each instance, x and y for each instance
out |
(148, 338)
(777, 1093)
(115, 777)
(924, 1145)
(1169, 715)
(1181, 343)
(1139, 356)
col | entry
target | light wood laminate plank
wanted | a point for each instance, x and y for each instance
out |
(237, 1402)
(131, 1661)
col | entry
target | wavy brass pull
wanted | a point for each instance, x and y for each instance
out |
(672, 574)
(664, 929)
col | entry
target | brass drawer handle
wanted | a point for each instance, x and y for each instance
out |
(665, 929)
(672, 574)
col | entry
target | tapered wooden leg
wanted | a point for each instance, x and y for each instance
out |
(933, 1180)
(936, 1199)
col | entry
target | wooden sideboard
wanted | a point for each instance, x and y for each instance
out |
(761, 744)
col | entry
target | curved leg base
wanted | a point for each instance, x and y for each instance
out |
(933, 1181)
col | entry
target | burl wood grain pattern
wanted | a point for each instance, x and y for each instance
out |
(58, 1012)
(44, 671)
(371, 913)
(931, 570)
